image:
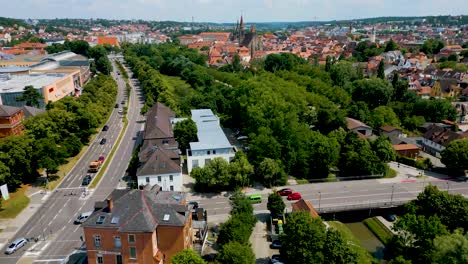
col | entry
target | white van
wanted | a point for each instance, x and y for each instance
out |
(82, 217)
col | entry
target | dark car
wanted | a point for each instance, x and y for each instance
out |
(105, 128)
(390, 217)
(195, 204)
(275, 259)
(86, 180)
(294, 196)
(123, 102)
(103, 141)
(116, 106)
(276, 244)
(285, 192)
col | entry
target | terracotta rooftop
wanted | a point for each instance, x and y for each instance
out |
(405, 147)
(303, 205)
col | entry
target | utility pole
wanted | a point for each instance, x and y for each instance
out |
(448, 186)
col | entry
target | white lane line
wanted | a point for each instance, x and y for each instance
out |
(49, 260)
(55, 217)
(76, 229)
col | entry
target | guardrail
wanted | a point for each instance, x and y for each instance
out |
(361, 205)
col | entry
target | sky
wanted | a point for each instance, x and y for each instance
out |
(229, 10)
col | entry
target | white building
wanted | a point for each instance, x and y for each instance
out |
(212, 142)
(159, 157)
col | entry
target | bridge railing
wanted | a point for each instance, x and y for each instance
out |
(360, 205)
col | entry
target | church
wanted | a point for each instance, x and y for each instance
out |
(250, 40)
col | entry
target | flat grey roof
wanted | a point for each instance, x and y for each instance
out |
(16, 83)
(209, 132)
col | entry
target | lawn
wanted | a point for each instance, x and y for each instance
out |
(364, 255)
(379, 229)
(17, 202)
(390, 173)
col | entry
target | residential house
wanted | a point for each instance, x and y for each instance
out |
(138, 226)
(11, 121)
(438, 137)
(358, 127)
(407, 150)
(304, 206)
(462, 112)
(212, 142)
(390, 131)
(159, 157)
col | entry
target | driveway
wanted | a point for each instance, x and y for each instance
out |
(258, 239)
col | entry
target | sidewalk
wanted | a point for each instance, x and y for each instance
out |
(11, 226)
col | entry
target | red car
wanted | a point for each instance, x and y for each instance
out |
(294, 196)
(284, 192)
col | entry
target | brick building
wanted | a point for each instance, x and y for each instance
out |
(11, 121)
(138, 226)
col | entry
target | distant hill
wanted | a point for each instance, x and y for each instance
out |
(9, 22)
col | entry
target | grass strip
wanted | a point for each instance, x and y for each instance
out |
(17, 202)
(379, 229)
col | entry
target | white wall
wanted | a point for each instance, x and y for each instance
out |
(201, 159)
(432, 148)
(165, 182)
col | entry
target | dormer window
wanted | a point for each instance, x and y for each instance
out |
(101, 220)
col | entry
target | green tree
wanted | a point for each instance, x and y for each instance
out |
(452, 248)
(455, 155)
(213, 177)
(328, 63)
(381, 70)
(453, 57)
(383, 115)
(269, 172)
(399, 260)
(5, 175)
(235, 252)
(103, 65)
(234, 230)
(375, 92)
(282, 61)
(343, 72)
(275, 204)
(240, 169)
(303, 239)
(384, 149)
(31, 96)
(391, 45)
(187, 256)
(185, 132)
(337, 250)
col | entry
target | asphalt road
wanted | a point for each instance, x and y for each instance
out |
(54, 220)
(329, 196)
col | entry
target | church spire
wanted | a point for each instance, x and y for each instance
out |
(241, 24)
(252, 28)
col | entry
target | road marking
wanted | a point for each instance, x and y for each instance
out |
(220, 202)
(49, 260)
(76, 229)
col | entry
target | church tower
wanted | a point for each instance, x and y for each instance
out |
(241, 29)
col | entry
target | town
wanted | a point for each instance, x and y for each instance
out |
(144, 141)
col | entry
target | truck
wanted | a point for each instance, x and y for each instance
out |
(94, 166)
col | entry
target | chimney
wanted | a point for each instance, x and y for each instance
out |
(109, 204)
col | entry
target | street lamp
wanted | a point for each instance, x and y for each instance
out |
(391, 197)
(320, 198)
(448, 186)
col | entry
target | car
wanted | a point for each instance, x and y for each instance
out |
(195, 204)
(116, 106)
(390, 217)
(82, 217)
(294, 196)
(275, 259)
(103, 141)
(105, 128)
(242, 137)
(86, 180)
(285, 192)
(123, 102)
(276, 244)
(120, 111)
(15, 245)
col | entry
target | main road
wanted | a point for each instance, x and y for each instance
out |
(340, 196)
(53, 222)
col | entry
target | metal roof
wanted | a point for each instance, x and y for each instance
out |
(209, 132)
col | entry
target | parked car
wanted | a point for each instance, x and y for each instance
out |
(123, 102)
(276, 244)
(285, 192)
(105, 128)
(275, 259)
(116, 106)
(242, 137)
(103, 141)
(294, 196)
(195, 204)
(390, 217)
(86, 180)
(82, 217)
(120, 111)
(15, 245)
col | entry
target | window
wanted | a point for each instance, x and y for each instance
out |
(99, 260)
(207, 161)
(171, 178)
(147, 179)
(214, 152)
(101, 219)
(159, 178)
(132, 252)
(195, 163)
(171, 188)
(97, 240)
(131, 238)
(117, 242)
(118, 259)
(208, 152)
